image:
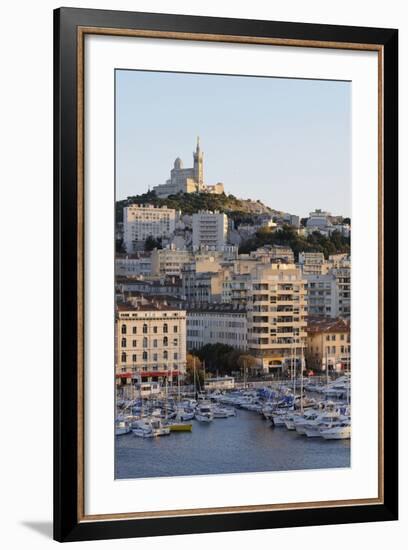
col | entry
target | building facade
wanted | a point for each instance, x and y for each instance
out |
(274, 253)
(169, 261)
(150, 344)
(133, 266)
(210, 230)
(202, 287)
(141, 221)
(217, 325)
(328, 343)
(277, 314)
(235, 288)
(313, 263)
(329, 295)
(318, 219)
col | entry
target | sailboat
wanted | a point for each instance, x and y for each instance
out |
(178, 424)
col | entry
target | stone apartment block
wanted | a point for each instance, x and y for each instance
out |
(150, 343)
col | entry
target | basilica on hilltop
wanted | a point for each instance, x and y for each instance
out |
(188, 180)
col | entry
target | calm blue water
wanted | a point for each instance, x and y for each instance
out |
(244, 443)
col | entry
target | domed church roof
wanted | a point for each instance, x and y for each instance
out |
(178, 163)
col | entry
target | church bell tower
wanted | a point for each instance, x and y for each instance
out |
(198, 164)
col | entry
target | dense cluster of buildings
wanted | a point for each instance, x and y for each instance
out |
(196, 289)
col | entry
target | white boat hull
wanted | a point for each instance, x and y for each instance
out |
(122, 431)
(343, 433)
(185, 416)
(202, 418)
(312, 432)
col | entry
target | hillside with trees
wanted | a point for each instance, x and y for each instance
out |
(241, 211)
(287, 236)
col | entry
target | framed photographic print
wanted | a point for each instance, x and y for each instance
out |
(225, 274)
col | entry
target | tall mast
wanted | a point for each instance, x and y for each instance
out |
(301, 377)
(194, 374)
(294, 369)
(203, 375)
(327, 368)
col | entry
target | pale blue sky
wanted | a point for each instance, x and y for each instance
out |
(286, 142)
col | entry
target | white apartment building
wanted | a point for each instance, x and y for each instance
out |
(144, 220)
(329, 295)
(277, 315)
(210, 229)
(150, 344)
(318, 219)
(217, 325)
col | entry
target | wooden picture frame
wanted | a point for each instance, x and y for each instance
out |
(70, 27)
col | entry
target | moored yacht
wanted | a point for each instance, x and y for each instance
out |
(122, 427)
(340, 431)
(223, 412)
(302, 420)
(150, 427)
(204, 413)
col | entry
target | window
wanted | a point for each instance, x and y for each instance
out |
(342, 337)
(165, 341)
(145, 356)
(165, 328)
(155, 330)
(145, 329)
(123, 342)
(123, 357)
(175, 328)
(134, 330)
(123, 329)
(328, 337)
(154, 356)
(175, 356)
(333, 336)
(145, 342)
(134, 358)
(134, 343)
(155, 343)
(175, 342)
(165, 355)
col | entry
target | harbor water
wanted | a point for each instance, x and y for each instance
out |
(242, 443)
